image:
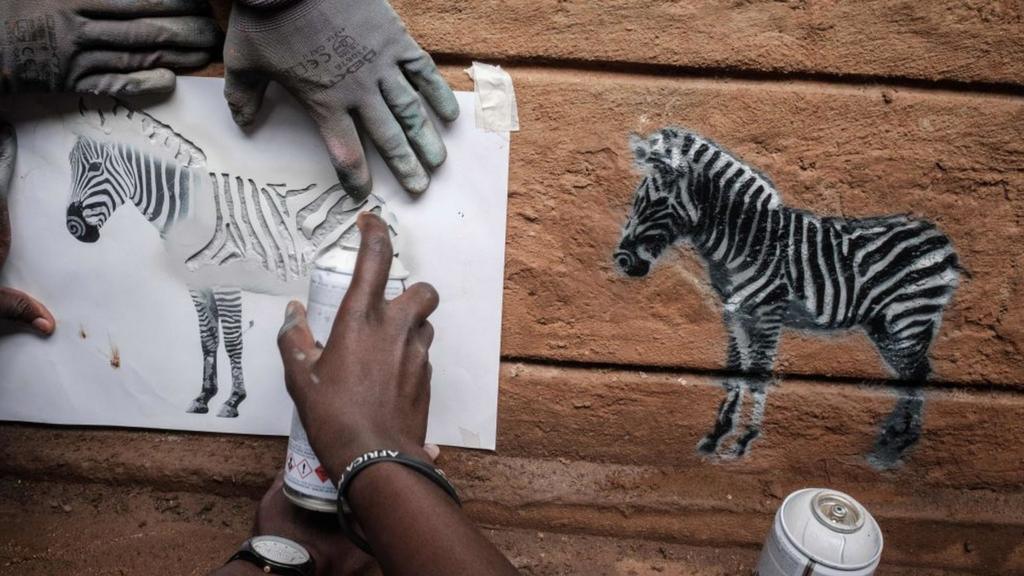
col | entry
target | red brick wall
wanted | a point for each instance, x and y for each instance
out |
(854, 109)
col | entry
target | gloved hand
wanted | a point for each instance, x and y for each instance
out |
(117, 47)
(346, 61)
(15, 305)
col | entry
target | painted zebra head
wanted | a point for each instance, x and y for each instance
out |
(99, 185)
(661, 214)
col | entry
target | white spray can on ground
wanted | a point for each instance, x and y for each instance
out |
(306, 482)
(820, 532)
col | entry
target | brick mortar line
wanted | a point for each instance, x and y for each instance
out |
(486, 508)
(947, 86)
(808, 379)
(251, 487)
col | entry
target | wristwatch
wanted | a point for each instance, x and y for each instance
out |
(276, 555)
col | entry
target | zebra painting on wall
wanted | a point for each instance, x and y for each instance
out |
(777, 267)
(133, 159)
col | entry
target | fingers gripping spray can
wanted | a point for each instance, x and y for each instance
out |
(306, 482)
(821, 533)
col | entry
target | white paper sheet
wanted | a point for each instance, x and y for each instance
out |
(127, 292)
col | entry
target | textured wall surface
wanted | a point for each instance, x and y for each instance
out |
(855, 109)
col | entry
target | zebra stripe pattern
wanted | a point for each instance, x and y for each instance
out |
(775, 266)
(219, 311)
(279, 227)
(107, 175)
(257, 221)
(161, 173)
(135, 159)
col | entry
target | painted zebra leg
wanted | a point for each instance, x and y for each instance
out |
(733, 401)
(763, 329)
(900, 431)
(759, 393)
(229, 306)
(908, 357)
(209, 338)
(726, 419)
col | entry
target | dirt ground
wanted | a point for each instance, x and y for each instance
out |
(49, 528)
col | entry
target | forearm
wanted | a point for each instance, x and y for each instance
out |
(416, 529)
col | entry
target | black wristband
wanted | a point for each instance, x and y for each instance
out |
(434, 474)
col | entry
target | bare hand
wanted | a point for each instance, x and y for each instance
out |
(369, 389)
(15, 305)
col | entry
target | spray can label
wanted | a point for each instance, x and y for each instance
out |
(304, 476)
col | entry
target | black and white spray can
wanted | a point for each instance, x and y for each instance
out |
(306, 482)
(820, 532)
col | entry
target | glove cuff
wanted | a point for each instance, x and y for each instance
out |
(260, 15)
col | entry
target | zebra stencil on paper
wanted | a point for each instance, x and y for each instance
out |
(136, 160)
(776, 267)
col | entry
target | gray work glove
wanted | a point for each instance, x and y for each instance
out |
(346, 61)
(118, 47)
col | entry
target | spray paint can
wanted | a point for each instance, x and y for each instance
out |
(819, 532)
(306, 482)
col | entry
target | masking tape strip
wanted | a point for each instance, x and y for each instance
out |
(470, 439)
(496, 109)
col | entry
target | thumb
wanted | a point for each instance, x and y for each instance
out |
(297, 346)
(432, 450)
(8, 155)
(244, 92)
(19, 307)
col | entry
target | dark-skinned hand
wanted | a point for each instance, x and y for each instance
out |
(15, 305)
(369, 388)
(317, 532)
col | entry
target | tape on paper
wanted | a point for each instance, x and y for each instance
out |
(496, 109)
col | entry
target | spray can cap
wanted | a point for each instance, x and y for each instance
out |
(831, 528)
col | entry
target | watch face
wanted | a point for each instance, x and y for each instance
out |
(280, 550)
